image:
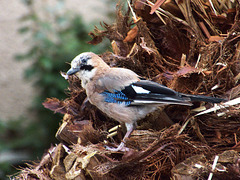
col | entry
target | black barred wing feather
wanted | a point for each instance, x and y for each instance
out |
(116, 97)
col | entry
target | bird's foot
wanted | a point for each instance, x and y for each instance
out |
(121, 147)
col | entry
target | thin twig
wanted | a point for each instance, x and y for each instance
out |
(133, 13)
(213, 167)
(215, 12)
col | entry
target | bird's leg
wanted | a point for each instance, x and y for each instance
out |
(84, 104)
(121, 146)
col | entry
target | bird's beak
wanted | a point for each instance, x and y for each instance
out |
(72, 71)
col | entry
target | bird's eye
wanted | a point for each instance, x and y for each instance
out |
(84, 61)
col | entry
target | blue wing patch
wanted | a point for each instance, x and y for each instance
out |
(117, 97)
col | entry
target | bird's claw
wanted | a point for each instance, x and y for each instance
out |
(121, 147)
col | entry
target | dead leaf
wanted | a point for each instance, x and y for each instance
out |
(131, 34)
(156, 6)
(55, 105)
(95, 39)
(81, 132)
(139, 4)
(207, 72)
(215, 38)
(115, 48)
(186, 70)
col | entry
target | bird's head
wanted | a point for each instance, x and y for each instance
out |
(85, 66)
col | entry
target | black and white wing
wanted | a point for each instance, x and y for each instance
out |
(145, 92)
(148, 92)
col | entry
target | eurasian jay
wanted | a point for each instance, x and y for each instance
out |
(122, 94)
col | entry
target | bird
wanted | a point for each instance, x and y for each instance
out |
(122, 94)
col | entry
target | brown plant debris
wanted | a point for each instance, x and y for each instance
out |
(190, 46)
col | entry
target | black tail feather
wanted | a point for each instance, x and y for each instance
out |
(203, 98)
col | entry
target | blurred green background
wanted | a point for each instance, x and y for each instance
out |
(54, 35)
